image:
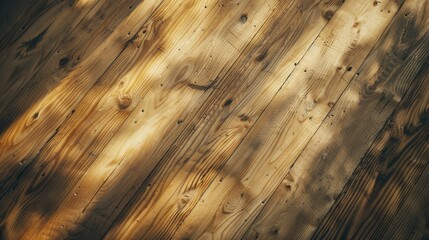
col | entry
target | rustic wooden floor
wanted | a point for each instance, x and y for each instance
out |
(214, 119)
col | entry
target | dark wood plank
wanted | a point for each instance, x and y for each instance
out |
(412, 219)
(11, 13)
(49, 61)
(40, 31)
(389, 170)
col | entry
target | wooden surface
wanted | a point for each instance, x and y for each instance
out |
(229, 119)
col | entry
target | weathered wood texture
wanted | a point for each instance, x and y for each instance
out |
(228, 119)
(348, 131)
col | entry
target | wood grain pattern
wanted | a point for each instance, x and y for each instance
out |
(214, 119)
(161, 112)
(221, 123)
(122, 99)
(411, 220)
(22, 142)
(11, 13)
(40, 32)
(38, 117)
(331, 156)
(388, 172)
(259, 164)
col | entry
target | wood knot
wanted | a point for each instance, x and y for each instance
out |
(244, 118)
(262, 56)
(274, 231)
(227, 103)
(328, 14)
(124, 102)
(185, 199)
(35, 115)
(63, 61)
(243, 18)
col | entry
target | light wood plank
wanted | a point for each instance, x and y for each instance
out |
(319, 174)
(221, 122)
(261, 161)
(220, 119)
(119, 102)
(21, 144)
(35, 117)
(183, 70)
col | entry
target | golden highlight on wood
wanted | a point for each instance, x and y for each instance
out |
(214, 119)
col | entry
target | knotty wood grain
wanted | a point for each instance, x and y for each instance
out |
(39, 33)
(45, 71)
(40, 118)
(123, 98)
(213, 119)
(389, 170)
(20, 144)
(167, 196)
(260, 163)
(332, 154)
(161, 112)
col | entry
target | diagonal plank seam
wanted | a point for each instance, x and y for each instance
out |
(179, 135)
(264, 109)
(45, 60)
(377, 136)
(364, 57)
(17, 22)
(59, 127)
(327, 115)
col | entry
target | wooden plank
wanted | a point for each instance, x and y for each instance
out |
(411, 221)
(26, 49)
(23, 146)
(10, 14)
(219, 123)
(388, 171)
(319, 174)
(88, 131)
(49, 62)
(182, 70)
(35, 117)
(260, 162)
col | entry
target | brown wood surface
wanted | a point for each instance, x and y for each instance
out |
(214, 119)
